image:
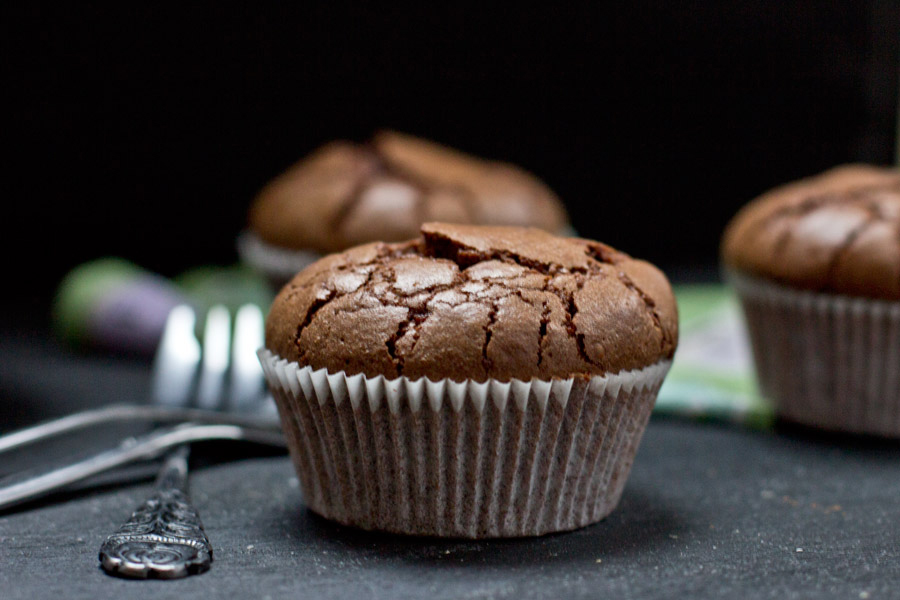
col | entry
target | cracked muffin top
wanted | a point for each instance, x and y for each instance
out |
(474, 302)
(837, 232)
(346, 194)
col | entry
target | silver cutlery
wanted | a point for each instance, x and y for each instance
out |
(164, 538)
(147, 447)
(123, 413)
(213, 392)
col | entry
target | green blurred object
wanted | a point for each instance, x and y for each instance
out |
(232, 286)
(113, 304)
(82, 288)
(712, 376)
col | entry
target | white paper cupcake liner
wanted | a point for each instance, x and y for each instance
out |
(279, 265)
(466, 459)
(825, 360)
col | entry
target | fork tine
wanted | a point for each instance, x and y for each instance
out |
(246, 373)
(175, 369)
(176, 359)
(214, 364)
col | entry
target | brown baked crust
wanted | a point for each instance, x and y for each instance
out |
(837, 232)
(470, 302)
(347, 194)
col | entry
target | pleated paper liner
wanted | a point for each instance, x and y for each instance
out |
(279, 265)
(825, 360)
(473, 460)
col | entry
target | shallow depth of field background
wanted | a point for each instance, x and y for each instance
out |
(145, 131)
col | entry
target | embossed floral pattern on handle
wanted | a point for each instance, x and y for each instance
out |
(164, 538)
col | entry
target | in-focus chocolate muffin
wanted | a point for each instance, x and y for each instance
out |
(346, 194)
(475, 381)
(817, 267)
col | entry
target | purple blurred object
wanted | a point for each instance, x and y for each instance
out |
(132, 317)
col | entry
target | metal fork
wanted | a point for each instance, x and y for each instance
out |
(231, 381)
(164, 538)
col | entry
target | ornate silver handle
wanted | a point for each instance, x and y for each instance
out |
(164, 538)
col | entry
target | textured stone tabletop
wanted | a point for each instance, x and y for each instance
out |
(710, 511)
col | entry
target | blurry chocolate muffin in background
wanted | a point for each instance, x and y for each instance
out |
(816, 264)
(345, 194)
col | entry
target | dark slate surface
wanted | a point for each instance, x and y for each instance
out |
(710, 511)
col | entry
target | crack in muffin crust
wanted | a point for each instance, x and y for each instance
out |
(477, 303)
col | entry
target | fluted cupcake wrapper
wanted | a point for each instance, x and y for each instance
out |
(466, 459)
(279, 265)
(825, 360)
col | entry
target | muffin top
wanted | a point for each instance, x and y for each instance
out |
(475, 302)
(837, 232)
(346, 194)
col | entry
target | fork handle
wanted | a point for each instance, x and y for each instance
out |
(121, 412)
(164, 538)
(146, 447)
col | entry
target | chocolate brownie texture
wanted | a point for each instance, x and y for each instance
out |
(838, 232)
(477, 303)
(346, 194)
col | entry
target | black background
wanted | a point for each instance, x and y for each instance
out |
(145, 131)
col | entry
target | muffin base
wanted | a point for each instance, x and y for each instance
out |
(825, 360)
(278, 265)
(470, 460)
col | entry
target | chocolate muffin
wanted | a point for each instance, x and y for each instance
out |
(817, 266)
(346, 194)
(474, 382)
